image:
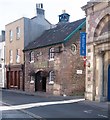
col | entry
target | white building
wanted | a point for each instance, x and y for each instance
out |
(2, 60)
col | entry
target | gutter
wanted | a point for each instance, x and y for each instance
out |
(70, 35)
(43, 46)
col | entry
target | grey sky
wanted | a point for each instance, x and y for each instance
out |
(11, 10)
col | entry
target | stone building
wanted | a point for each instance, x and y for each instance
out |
(18, 34)
(53, 63)
(98, 50)
(2, 60)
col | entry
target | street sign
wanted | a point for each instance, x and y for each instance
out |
(79, 71)
(83, 43)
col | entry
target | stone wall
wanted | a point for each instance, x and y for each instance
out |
(67, 65)
(97, 17)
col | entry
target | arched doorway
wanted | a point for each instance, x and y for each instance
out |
(40, 82)
(109, 83)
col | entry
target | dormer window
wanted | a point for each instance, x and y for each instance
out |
(32, 56)
(51, 53)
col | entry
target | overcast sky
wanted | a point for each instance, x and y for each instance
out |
(11, 10)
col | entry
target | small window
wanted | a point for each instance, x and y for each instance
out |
(73, 48)
(51, 54)
(32, 56)
(17, 32)
(18, 55)
(51, 77)
(11, 35)
(11, 56)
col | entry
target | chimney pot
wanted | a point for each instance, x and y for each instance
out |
(41, 5)
(40, 11)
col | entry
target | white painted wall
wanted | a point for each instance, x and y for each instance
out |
(33, 28)
(2, 62)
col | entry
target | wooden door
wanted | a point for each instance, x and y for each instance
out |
(38, 82)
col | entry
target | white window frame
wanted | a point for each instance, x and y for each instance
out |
(31, 56)
(31, 79)
(51, 77)
(75, 48)
(18, 33)
(51, 54)
(11, 35)
(17, 55)
(11, 56)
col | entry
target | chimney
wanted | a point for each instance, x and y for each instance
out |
(40, 11)
(64, 17)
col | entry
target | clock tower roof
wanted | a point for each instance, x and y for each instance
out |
(64, 17)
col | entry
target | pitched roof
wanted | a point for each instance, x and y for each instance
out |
(59, 34)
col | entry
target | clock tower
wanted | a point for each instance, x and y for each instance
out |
(64, 17)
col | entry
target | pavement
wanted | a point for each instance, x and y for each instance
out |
(101, 105)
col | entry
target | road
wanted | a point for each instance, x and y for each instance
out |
(17, 105)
